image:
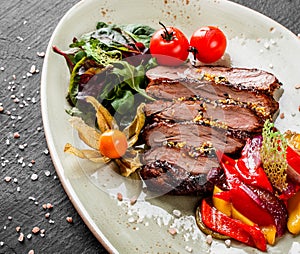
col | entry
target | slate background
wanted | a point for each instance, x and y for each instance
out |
(25, 29)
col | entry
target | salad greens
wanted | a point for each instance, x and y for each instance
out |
(109, 64)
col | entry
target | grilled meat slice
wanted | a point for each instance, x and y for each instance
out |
(248, 87)
(197, 139)
(233, 117)
(171, 170)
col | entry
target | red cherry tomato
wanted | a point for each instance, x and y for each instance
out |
(169, 46)
(208, 44)
(113, 144)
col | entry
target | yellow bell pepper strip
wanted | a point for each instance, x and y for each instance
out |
(293, 208)
(221, 223)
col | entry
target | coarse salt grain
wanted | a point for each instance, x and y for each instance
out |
(16, 135)
(49, 206)
(228, 243)
(120, 196)
(131, 220)
(266, 45)
(32, 69)
(34, 177)
(41, 54)
(176, 213)
(69, 219)
(47, 173)
(35, 230)
(209, 239)
(172, 231)
(188, 249)
(133, 200)
(21, 237)
(20, 38)
(7, 179)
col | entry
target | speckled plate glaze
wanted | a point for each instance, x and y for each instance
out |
(144, 227)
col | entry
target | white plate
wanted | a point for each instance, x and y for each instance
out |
(254, 41)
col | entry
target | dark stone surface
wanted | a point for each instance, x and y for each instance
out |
(25, 29)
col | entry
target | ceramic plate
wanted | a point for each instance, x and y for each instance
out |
(253, 41)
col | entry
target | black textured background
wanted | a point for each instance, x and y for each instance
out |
(25, 29)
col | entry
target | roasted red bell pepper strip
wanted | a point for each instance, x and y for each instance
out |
(248, 168)
(221, 223)
(243, 198)
(247, 203)
(293, 160)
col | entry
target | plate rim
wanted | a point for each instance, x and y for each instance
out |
(76, 202)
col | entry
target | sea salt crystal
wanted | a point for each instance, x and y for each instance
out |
(176, 213)
(188, 249)
(209, 239)
(34, 177)
(32, 69)
(266, 45)
(131, 219)
(47, 173)
(228, 243)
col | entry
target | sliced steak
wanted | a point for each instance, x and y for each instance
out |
(199, 110)
(170, 170)
(233, 117)
(250, 87)
(255, 80)
(193, 137)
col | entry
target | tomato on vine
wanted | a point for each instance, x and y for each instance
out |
(169, 46)
(208, 44)
(113, 144)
